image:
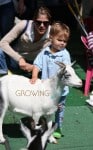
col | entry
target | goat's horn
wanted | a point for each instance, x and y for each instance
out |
(73, 63)
(62, 65)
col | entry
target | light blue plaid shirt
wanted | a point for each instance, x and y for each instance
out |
(45, 61)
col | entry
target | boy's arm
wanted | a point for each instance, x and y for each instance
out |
(38, 64)
(34, 74)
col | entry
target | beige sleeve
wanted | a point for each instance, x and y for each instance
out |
(11, 36)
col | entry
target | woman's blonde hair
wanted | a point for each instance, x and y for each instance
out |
(60, 28)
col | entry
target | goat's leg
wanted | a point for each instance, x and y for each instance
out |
(48, 133)
(51, 138)
(2, 114)
(2, 139)
(27, 133)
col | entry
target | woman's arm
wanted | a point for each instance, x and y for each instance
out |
(8, 39)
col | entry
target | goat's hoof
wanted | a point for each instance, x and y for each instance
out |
(53, 140)
(2, 140)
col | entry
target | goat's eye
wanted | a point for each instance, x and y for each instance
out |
(67, 76)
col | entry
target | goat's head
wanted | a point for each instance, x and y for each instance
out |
(68, 76)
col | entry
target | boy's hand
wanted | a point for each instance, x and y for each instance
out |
(33, 80)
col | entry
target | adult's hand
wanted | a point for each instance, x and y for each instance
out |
(24, 65)
(28, 67)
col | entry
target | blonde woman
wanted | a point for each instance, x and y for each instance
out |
(28, 44)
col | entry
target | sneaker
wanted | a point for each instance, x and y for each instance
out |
(58, 133)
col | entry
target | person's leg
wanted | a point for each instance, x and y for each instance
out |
(7, 16)
(3, 65)
(59, 116)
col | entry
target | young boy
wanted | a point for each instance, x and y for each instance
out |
(45, 62)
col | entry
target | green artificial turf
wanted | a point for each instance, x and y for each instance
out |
(77, 130)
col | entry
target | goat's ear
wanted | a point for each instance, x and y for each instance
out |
(62, 65)
(73, 63)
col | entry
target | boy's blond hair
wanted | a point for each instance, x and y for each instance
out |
(60, 28)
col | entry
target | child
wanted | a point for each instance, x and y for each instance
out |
(45, 62)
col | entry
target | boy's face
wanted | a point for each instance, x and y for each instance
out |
(58, 42)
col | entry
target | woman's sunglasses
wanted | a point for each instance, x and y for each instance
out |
(38, 23)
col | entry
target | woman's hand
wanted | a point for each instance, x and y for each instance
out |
(24, 65)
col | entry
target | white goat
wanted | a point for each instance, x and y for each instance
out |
(36, 99)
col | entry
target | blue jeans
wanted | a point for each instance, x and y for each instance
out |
(59, 115)
(7, 62)
(3, 65)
